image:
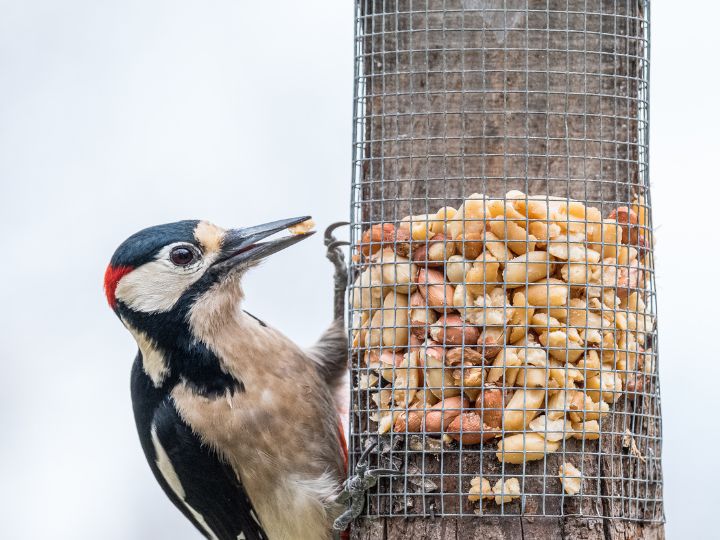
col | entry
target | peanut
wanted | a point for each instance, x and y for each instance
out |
(589, 430)
(519, 200)
(406, 380)
(560, 403)
(451, 330)
(589, 364)
(383, 416)
(492, 341)
(626, 217)
(471, 377)
(506, 491)
(434, 252)
(482, 276)
(456, 268)
(302, 228)
(606, 386)
(575, 273)
(438, 379)
(522, 447)
(374, 333)
(468, 429)
(491, 309)
(421, 316)
(397, 271)
(570, 478)
(552, 430)
(443, 413)
(385, 421)
(518, 239)
(474, 207)
(491, 402)
(527, 268)
(503, 208)
(471, 244)
(583, 408)
(572, 249)
(611, 238)
(627, 255)
(563, 345)
(368, 289)
(635, 385)
(479, 489)
(522, 408)
(564, 375)
(463, 300)
(548, 292)
(532, 377)
(463, 355)
(497, 247)
(544, 232)
(431, 352)
(372, 240)
(443, 217)
(395, 320)
(432, 286)
(629, 279)
(419, 226)
(403, 242)
(507, 358)
(520, 317)
(410, 421)
(538, 208)
(387, 361)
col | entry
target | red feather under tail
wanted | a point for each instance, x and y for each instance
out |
(345, 535)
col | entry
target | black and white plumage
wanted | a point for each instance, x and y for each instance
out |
(216, 503)
(237, 423)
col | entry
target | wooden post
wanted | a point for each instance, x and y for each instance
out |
(464, 96)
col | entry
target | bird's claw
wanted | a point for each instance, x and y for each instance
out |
(374, 473)
(336, 244)
(355, 488)
(336, 256)
(331, 229)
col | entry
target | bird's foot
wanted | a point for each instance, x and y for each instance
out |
(336, 256)
(355, 488)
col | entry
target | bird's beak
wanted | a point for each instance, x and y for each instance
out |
(244, 245)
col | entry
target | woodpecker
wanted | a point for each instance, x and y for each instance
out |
(237, 422)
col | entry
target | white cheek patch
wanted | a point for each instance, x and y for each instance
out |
(155, 287)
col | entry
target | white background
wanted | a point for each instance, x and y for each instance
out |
(117, 115)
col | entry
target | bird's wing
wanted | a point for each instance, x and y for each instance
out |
(205, 488)
(330, 353)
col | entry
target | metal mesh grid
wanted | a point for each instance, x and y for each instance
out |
(540, 104)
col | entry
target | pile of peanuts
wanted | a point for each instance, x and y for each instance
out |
(520, 318)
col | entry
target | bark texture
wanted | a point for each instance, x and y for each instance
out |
(464, 96)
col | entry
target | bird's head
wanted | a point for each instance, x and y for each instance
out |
(159, 273)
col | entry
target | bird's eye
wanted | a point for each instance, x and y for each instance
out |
(181, 256)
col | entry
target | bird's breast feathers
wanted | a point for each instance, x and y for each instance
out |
(279, 433)
(281, 451)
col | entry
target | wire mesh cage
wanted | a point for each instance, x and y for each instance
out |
(503, 299)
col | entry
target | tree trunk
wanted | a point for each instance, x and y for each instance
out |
(464, 96)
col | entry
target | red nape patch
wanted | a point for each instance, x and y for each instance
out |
(113, 275)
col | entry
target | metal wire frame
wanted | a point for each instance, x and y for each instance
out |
(437, 117)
